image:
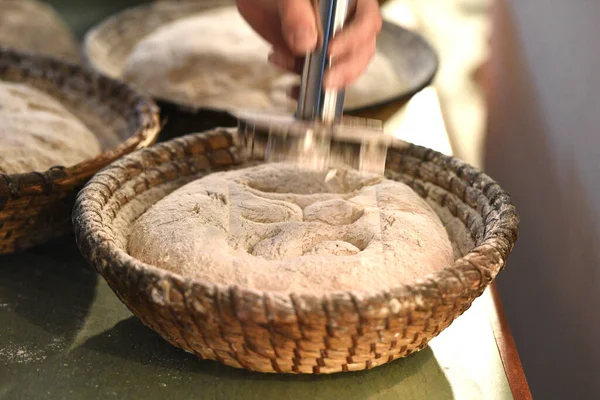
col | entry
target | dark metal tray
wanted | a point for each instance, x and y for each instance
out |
(413, 58)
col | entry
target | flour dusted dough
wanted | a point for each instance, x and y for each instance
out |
(35, 27)
(37, 132)
(275, 228)
(216, 59)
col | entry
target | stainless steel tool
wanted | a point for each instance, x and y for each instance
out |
(318, 136)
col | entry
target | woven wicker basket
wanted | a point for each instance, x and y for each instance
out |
(297, 333)
(36, 206)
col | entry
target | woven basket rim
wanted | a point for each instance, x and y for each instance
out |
(56, 178)
(90, 232)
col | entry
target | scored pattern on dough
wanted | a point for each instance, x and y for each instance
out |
(323, 207)
(296, 333)
(278, 228)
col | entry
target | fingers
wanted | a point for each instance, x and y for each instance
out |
(286, 24)
(354, 47)
(298, 25)
(351, 50)
(364, 27)
(346, 70)
(294, 92)
(263, 17)
(286, 60)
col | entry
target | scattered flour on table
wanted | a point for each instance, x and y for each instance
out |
(19, 354)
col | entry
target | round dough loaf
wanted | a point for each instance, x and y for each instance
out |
(35, 27)
(37, 132)
(278, 229)
(215, 59)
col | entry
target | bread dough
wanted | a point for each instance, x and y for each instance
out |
(215, 59)
(37, 132)
(35, 27)
(278, 229)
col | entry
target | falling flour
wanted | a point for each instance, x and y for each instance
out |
(215, 59)
(37, 132)
(278, 229)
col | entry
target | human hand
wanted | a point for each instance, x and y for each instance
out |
(290, 27)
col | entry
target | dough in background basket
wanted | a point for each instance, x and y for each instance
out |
(278, 229)
(35, 27)
(37, 132)
(215, 59)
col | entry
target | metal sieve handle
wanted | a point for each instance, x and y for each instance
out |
(315, 103)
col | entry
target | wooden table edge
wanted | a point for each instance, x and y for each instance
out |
(508, 349)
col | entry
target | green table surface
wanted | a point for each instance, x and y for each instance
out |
(65, 335)
(81, 15)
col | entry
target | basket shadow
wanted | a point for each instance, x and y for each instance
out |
(45, 295)
(50, 286)
(416, 377)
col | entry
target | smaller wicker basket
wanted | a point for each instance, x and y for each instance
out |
(36, 206)
(268, 332)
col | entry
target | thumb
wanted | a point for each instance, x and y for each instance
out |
(298, 25)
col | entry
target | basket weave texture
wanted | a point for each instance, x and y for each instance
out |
(269, 332)
(36, 206)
